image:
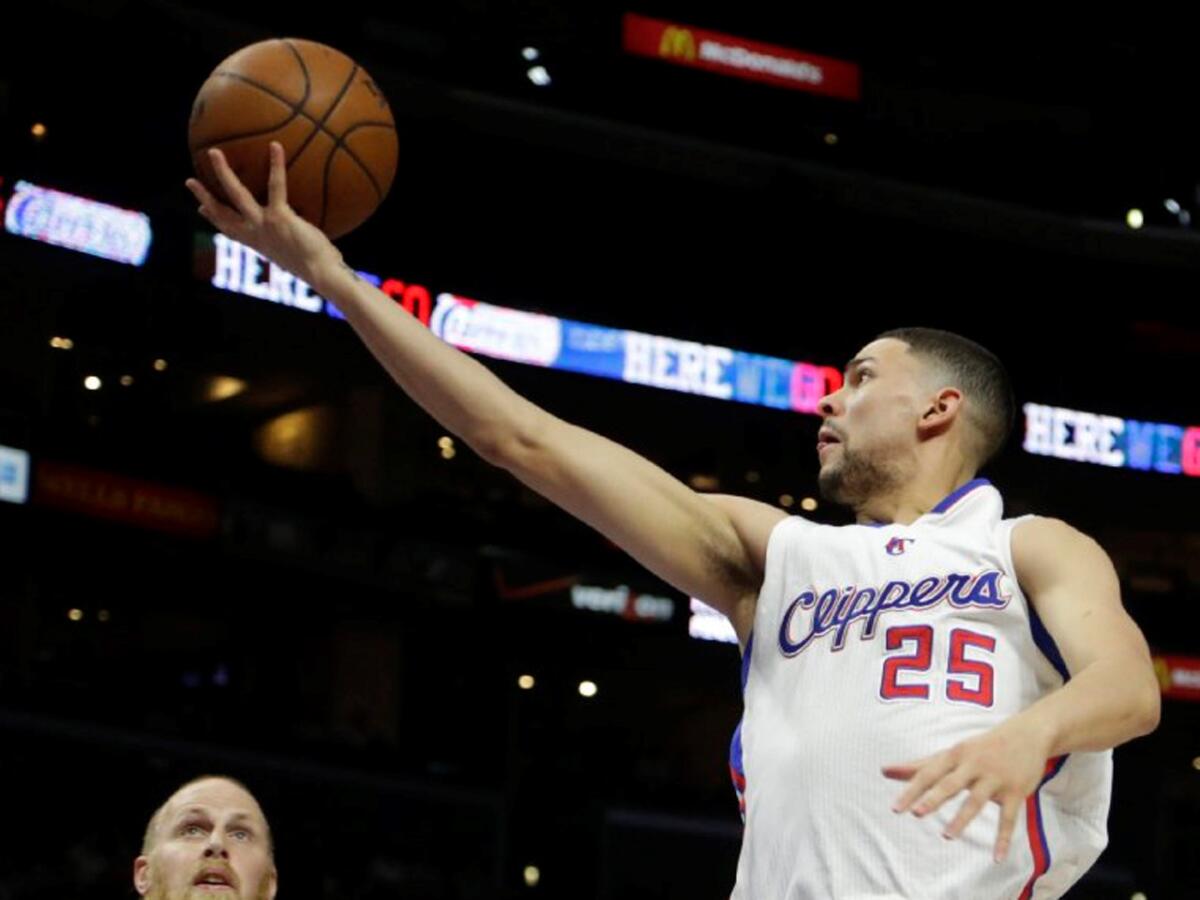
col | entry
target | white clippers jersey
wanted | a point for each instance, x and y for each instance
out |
(876, 645)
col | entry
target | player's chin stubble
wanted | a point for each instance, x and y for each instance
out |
(854, 478)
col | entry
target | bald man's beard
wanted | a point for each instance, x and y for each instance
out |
(855, 478)
(193, 893)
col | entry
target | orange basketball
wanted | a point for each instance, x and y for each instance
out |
(335, 125)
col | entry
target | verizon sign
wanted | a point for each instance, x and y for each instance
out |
(685, 45)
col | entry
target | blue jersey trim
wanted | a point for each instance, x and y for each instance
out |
(943, 505)
(735, 751)
(746, 660)
(957, 495)
(1046, 644)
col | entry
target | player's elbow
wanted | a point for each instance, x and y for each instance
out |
(514, 441)
(1150, 707)
(1142, 706)
(492, 448)
(505, 449)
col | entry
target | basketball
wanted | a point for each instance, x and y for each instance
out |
(335, 125)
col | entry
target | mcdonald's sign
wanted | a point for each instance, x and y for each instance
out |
(686, 45)
(678, 43)
(1178, 676)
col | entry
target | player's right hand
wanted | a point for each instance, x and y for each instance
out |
(1003, 765)
(274, 230)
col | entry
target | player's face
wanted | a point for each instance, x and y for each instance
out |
(212, 843)
(868, 439)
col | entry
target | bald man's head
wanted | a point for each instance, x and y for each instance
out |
(209, 836)
(184, 791)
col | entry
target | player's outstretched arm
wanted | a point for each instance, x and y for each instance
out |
(709, 549)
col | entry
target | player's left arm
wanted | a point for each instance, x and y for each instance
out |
(1111, 697)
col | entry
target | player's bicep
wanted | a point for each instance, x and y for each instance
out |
(657, 519)
(753, 521)
(1073, 586)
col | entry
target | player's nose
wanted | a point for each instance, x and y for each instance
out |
(215, 848)
(830, 405)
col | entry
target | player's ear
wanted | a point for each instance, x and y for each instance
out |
(141, 875)
(940, 411)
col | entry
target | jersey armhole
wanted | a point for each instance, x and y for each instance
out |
(1041, 636)
(773, 566)
(776, 553)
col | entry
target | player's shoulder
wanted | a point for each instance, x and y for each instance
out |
(746, 510)
(1041, 544)
(1034, 529)
(754, 521)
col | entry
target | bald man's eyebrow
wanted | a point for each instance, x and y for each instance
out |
(240, 816)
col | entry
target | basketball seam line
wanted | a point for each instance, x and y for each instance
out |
(296, 109)
(297, 113)
(320, 126)
(303, 67)
(246, 134)
(337, 141)
(307, 88)
(338, 145)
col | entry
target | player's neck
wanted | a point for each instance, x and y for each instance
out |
(910, 501)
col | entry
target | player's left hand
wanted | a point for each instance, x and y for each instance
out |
(1004, 765)
(274, 230)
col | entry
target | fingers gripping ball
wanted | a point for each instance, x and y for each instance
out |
(334, 123)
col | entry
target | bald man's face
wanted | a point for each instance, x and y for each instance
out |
(211, 841)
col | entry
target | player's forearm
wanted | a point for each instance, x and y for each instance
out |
(1106, 703)
(458, 391)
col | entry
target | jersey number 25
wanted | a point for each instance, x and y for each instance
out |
(967, 680)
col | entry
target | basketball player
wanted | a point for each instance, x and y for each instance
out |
(210, 839)
(974, 658)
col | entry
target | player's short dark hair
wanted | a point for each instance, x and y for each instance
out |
(991, 404)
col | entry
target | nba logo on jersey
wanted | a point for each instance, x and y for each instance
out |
(897, 545)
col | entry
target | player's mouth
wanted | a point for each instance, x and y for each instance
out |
(826, 438)
(215, 881)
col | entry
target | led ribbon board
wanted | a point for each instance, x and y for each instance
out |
(706, 624)
(685, 366)
(76, 223)
(1110, 441)
(14, 475)
(548, 341)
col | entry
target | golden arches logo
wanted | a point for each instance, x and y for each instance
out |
(1163, 671)
(677, 42)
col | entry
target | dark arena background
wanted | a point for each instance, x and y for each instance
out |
(231, 544)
